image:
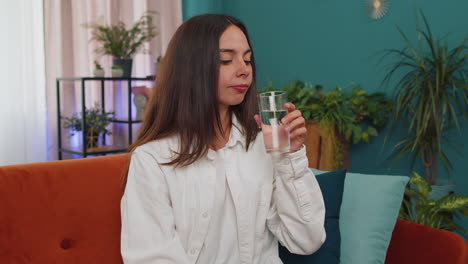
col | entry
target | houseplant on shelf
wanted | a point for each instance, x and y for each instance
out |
(122, 43)
(421, 209)
(431, 96)
(335, 119)
(96, 124)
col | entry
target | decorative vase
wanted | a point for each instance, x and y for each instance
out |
(126, 65)
(98, 73)
(117, 73)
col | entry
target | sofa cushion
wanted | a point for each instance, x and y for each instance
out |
(62, 211)
(331, 185)
(368, 215)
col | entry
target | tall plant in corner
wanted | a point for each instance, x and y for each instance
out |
(432, 95)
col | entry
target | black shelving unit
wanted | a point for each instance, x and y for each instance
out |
(100, 150)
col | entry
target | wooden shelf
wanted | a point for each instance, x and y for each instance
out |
(100, 150)
(95, 151)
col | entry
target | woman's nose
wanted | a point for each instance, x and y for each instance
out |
(244, 69)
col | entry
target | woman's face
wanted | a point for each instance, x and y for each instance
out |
(235, 71)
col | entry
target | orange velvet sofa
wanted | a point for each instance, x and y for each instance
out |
(68, 212)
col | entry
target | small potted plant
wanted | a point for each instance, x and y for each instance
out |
(117, 71)
(96, 124)
(122, 43)
(98, 70)
(437, 213)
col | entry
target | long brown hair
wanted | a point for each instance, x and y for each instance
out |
(184, 100)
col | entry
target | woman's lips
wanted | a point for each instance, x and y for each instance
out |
(240, 88)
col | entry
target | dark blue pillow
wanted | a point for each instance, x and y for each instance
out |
(332, 185)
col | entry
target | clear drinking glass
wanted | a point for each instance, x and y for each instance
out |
(272, 110)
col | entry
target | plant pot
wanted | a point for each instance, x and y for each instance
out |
(98, 73)
(326, 150)
(116, 73)
(126, 65)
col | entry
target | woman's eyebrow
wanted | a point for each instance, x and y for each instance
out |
(233, 51)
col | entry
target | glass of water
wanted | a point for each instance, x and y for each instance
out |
(272, 110)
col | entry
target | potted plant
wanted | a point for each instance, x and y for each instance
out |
(98, 70)
(117, 71)
(335, 119)
(96, 122)
(431, 95)
(421, 209)
(122, 43)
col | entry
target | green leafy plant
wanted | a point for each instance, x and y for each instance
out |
(343, 117)
(419, 208)
(97, 65)
(116, 67)
(431, 95)
(356, 115)
(96, 122)
(120, 42)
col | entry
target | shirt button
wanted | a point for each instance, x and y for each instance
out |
(193, 251)
(205, 215)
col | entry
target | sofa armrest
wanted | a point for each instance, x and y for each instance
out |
(415, 243)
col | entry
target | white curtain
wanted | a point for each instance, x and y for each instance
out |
(43, 40)
(22, 78)
(70, 54)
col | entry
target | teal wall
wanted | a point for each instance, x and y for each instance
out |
(195, 7)
(335, 43)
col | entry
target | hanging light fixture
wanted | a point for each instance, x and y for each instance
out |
(376, 9)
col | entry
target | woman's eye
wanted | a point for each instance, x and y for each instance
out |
(248, 62)
(226, 61)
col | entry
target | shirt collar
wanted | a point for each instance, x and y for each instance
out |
(237, 134)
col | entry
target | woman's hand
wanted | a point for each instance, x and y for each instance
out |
(296, 126)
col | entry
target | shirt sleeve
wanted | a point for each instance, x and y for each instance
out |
(297, 211)
(148, 230)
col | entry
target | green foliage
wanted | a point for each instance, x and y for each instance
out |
(438, 214)
(120, 42)
(299, 93)
(356, 115)
(431, 95)
(116, 67)
(97, 121)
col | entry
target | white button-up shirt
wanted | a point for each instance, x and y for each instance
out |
(167, 212)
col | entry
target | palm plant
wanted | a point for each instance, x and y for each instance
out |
(434, 213)
(431, 96)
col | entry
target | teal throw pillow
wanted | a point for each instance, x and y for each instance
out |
(368, 215)
(331, 184)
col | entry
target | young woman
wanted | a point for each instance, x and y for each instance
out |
(200, 186)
